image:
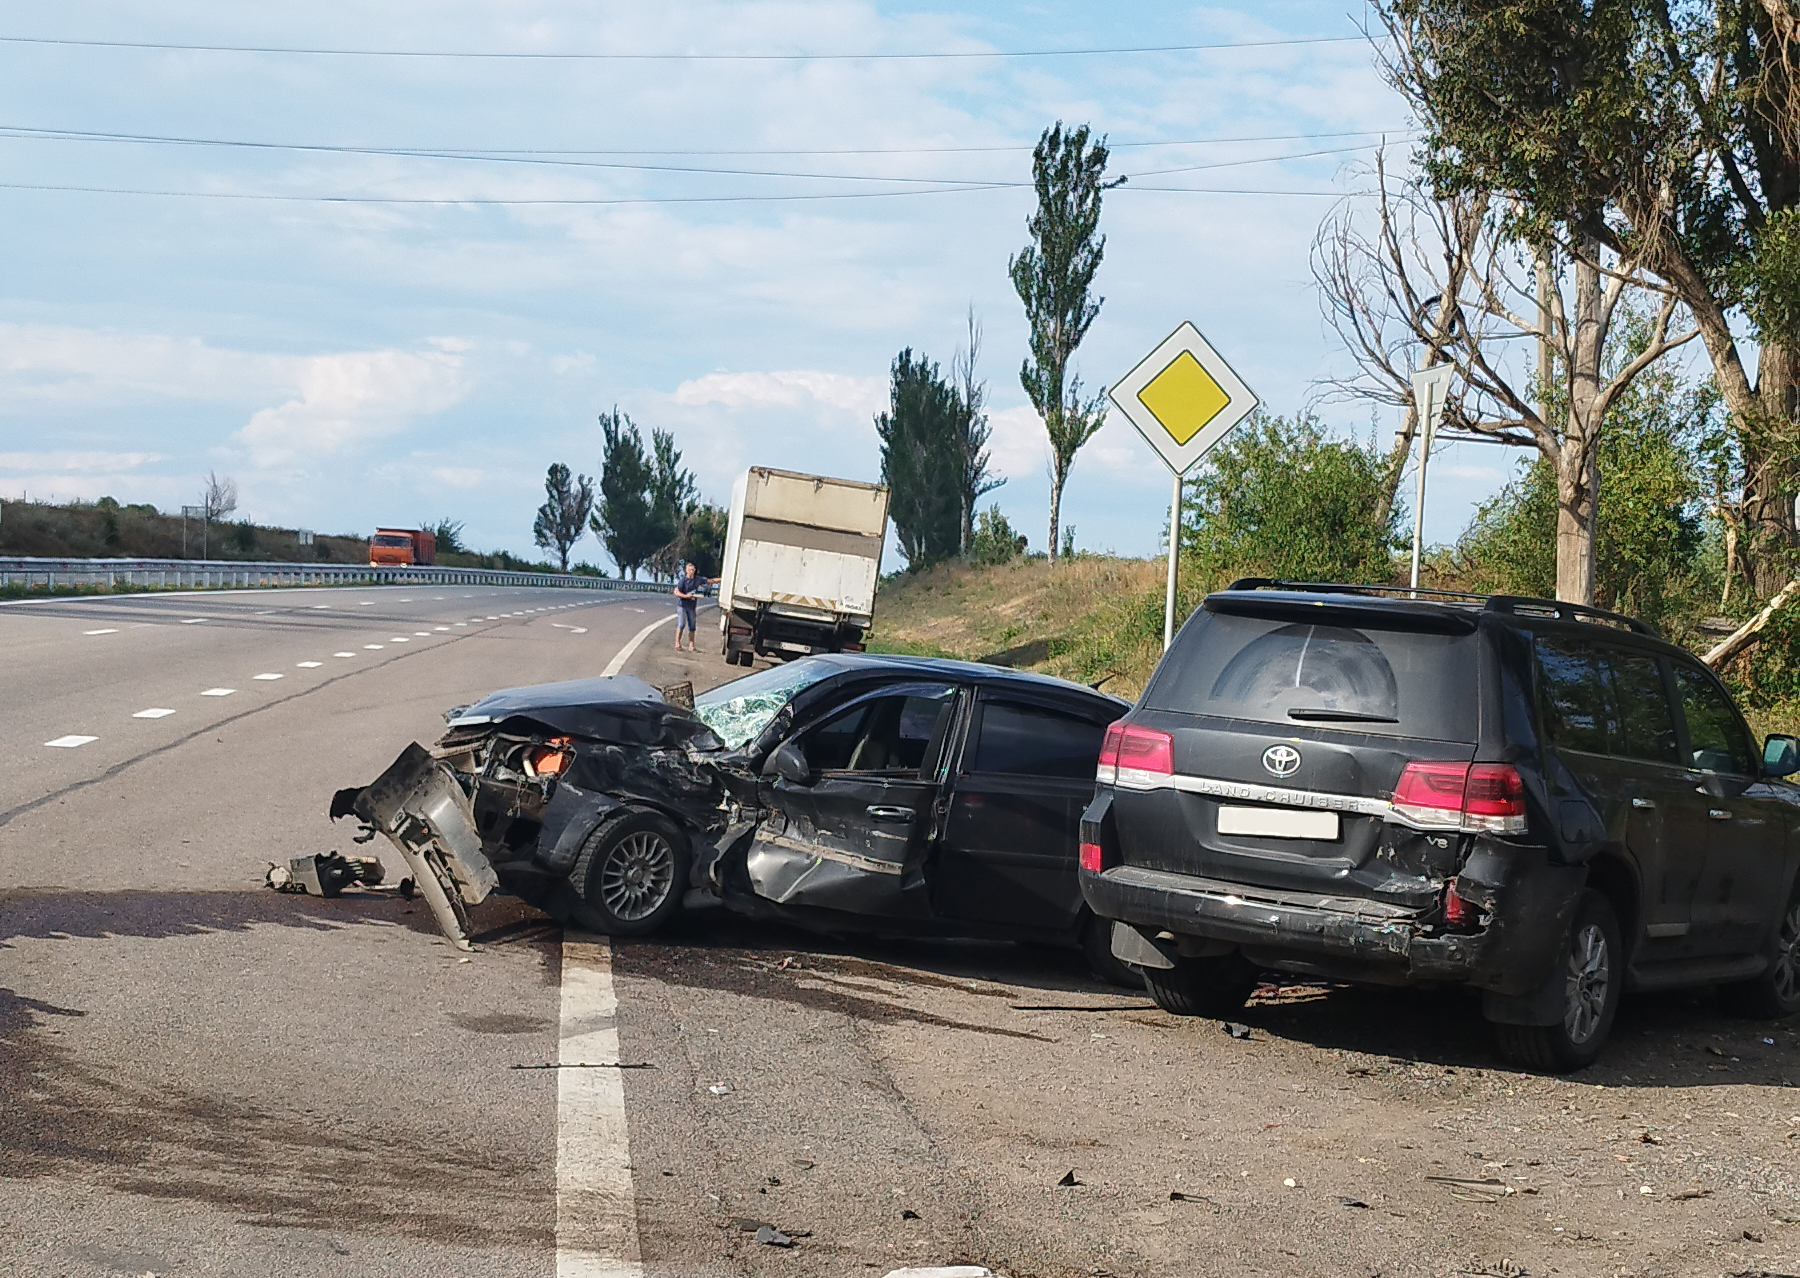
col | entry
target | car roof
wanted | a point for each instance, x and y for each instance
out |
(966, 671)
(1449, 611)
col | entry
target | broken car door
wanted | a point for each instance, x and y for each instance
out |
(1010, 840)
(852, 834)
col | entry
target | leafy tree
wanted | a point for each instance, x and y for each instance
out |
(1669, 134)
(995, 541)
(449, 534)
(699, 539)
(972, 433)
(672, 489)
(1280, 498)
(563, 518)
(624, 517)
(920, 462)
(1054, 277)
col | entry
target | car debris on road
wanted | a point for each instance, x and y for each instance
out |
(846, 792)
(326, 874)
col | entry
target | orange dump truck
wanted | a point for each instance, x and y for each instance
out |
(396, 547)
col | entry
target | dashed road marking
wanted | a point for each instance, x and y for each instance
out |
(192, 621)
(421, 634)
(309, 665)
(440, 627)
(493, 618)
(373, 647)
(113, 630)
(218, 692)
(266, 676)
(596, 1204)
(154, 712)
(343, 654)
(365, 603)
(399, 639)
(316, 607)
(70, 742)
(460, 623)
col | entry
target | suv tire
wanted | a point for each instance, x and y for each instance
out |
(1202, 986)
(630, 875)
(1594, 975)
(1096, 944)
(1776, 993)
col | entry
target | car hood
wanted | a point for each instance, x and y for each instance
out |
(622, 709)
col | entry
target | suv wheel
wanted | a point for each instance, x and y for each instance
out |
(1776, 993)
(630, 875)
(1096, 944)
(1202, 986)
(1593, 976)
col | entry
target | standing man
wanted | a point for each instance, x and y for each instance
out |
(687, 601)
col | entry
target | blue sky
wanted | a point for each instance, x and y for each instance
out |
(362, 363)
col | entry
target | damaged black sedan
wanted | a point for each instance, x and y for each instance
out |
(900, 795)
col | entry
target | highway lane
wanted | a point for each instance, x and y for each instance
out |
(201, 1076)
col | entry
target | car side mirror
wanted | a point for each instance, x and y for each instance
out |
(1781, 755)
(788, 762)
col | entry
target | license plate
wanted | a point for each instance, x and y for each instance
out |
(1278, 823)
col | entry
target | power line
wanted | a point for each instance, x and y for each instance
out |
(503, 158)
(493, 55)
(54, 134)
(648, 199)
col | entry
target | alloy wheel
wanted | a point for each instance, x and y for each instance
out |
(637, 876)
(1590, 981)
(1787, 961)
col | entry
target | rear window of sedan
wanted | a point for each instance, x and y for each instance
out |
(1363, 678)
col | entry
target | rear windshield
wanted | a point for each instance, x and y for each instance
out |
(1394, 682)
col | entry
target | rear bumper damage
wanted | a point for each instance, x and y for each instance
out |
(1524, 905)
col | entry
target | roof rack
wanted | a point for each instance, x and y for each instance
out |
(1514, 605)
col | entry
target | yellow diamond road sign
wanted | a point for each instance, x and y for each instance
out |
(1183, 398)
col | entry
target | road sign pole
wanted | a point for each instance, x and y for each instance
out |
(1174, 561)
(1419, 509)
(1431, 387)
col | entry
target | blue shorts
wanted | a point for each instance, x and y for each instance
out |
(684, 614)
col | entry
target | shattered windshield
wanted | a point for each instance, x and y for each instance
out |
(739, 710)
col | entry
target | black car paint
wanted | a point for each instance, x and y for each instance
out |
(812, 853)
(1381, 919)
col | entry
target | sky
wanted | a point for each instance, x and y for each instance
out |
(360, 337)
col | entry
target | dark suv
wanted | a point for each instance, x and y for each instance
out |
(1546, 802)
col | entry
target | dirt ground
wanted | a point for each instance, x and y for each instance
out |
(929, 1103)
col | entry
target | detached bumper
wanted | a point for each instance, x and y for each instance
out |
(1530, 903)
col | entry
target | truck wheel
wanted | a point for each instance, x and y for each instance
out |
(1096, 944)
(1776, 993)
(630, 875)
(1594, 977)
(1202, 986)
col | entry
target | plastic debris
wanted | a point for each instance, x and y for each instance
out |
(907, 1213)
(773, 1237)
(326, 874)
(721, 1089)
(1291, 1183)
(1068, 1179)
(1234, 1029)
(1348, 1201)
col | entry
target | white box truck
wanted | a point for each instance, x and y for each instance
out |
(802, 557)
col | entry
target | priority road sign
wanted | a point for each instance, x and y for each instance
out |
(1183, 398)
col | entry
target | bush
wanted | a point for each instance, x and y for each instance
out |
(995, 541)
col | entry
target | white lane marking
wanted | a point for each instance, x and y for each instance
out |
(343, 654)
(406, 601)
(218, 692)
(492, 618)
(563, 625)
(422, 633)
(266, 612)
(266, 676)
(70, 742)
(316, 607)
(366, 603)
(372, 647)
(309, 665)
(596, 1204)
(440, 627)
(399, 639)
(154, 712)
(439, 598)
(618, 662)
(193, 621)
(460, 623)
(110, 631)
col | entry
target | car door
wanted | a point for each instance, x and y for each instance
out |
(855, 834)
(1665, 819)
(1012, 827)
(1740, 889)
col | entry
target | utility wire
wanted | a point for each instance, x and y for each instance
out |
(488, 54)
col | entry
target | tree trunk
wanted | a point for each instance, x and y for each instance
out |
(1577, 503)
(1577, 471)
(1766, 446)
(1395, 467)
(1057, 476)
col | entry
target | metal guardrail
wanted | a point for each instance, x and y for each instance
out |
(224, 574)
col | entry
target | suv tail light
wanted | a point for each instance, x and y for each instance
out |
(1463, 796)
(1133, 756)
(1093, 857)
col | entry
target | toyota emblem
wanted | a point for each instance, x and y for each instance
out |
(1281, 760)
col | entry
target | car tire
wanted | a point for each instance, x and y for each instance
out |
(1594, 977)
(630, 875)
(1202, 986)
(1776, 993)
(1096, 944)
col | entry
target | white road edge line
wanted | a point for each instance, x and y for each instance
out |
(618, 663)
(596, 1202)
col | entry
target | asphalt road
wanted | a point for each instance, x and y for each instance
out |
(199, 1076)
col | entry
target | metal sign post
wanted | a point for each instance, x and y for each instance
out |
(187, 513)
(1429, 391)
(1183, 398)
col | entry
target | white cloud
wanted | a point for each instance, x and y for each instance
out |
(785, 389)
(350, 399)
(77, 463)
